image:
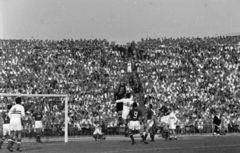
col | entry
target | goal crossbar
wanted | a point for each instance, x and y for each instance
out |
(47, 95)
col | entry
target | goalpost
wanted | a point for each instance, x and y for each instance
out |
(47, 95)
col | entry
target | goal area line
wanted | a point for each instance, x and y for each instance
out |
(46, 95)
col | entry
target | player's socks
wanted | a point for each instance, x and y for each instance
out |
(142, 136)
(1, 142)
(132, 138)
(145, 137)
(126, 130)
(103, 137)
(95, 136)
(10, 144)
(152, 137)
(18, 145)
(167, 136)
(39, 138)
(10, 149)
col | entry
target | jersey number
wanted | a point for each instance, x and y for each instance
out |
(135, 114)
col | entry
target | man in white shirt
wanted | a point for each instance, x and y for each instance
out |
(127, 105)
(164, 123)
(172, 123)
(16, 114)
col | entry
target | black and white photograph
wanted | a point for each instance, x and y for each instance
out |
(120, 76)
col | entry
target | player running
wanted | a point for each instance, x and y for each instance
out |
(217, 123)
(135, 116)
(151, 123)
(6, 121)
(172, 123)
(16, 114)
(164, 121)
(38, 115)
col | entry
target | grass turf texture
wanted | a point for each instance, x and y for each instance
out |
(119, 144)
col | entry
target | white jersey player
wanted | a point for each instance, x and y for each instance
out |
(16, 114)
(172, 123)
(127, 105)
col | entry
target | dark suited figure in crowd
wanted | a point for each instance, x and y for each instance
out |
(216, 124)
(120, 91)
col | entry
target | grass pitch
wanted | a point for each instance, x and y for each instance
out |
(119, 144)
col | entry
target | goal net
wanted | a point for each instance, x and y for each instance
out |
(31, 101)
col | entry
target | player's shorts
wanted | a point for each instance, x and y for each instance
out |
(134, 125)
(6, 129)
(97, 131)
(150, 123)
(172, 126)
(16, 126)
(38, 125)
(125, 114)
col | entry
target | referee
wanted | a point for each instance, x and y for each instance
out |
(38, 124)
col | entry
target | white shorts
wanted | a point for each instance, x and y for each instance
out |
(6, 129)
(125, 114)
(150, 123)
(172, 126)
(134, 125)
(38, 125)
(16, 126)
(97, 131)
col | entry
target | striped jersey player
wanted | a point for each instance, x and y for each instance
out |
(16, 115)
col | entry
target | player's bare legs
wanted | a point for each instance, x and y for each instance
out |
(151, 131)
(132, 138)
(2, 140)
(174, 134)
(125, 122)
(6, 128)
(11, 141)
(141, 133)
(19, 140)
(38, 136)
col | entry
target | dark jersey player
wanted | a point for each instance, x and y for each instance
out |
(217, 123)
(151, 126)
(135, 116)
(38, 123)
(6, 128)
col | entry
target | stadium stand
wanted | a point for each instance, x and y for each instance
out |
(195, 76)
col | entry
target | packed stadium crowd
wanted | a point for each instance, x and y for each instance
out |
(194, 76)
